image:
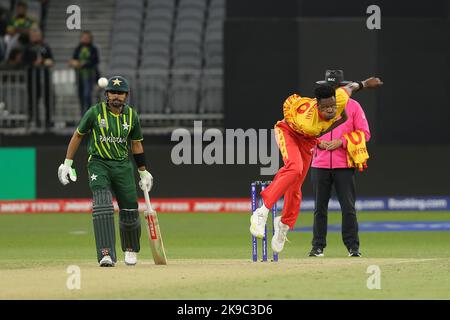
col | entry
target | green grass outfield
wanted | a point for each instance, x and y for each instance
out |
(210, 258)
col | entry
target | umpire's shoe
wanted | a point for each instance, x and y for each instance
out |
(106, 262)
(316, 252)
(354, 252)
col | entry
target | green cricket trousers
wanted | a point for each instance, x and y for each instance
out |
(107, 177)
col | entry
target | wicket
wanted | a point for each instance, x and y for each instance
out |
(255, 203)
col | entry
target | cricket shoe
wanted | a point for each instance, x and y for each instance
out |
(258, 222)
(130, 258)
(316, 252)
(106, 262)
(354, 253)
(280, 236)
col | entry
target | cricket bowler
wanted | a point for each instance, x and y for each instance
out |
(113, 125)
(305, 120)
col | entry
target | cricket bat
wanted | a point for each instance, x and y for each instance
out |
(154, 233)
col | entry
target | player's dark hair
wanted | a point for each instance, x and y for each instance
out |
(324, 91)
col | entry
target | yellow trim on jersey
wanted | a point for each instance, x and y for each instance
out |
(137, 140)
(103, 132)
(118, 153)
(96, 145)
(81, 134)
(290, 106)
(279, 136)
(118, 126)
(125, 120)
(101, 143)
(131, 120)
(90, 157)
(106, 151)
(105, 115)
(113, 114)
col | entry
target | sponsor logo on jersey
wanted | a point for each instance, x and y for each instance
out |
(102, 123)
(112, 139)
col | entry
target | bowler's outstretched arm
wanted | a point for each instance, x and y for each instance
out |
(371, 82)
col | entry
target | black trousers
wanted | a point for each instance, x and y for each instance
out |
(344, 184)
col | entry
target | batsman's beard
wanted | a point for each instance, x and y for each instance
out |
(116, 103)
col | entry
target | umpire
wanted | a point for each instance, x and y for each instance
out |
(330, 167)
(113, 126)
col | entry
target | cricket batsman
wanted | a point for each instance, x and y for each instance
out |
(113, 125)
(305, 120)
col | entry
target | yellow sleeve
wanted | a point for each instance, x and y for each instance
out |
(290, 107)
(342, 96)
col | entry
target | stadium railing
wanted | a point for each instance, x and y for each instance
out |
(13, 100)
(152, 92)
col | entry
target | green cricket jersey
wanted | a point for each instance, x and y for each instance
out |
(110, 132)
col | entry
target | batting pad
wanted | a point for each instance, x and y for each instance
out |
(103, 217)
(130, 229)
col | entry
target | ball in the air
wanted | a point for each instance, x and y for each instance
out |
(102, 82)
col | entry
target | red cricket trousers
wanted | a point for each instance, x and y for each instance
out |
(296, 151)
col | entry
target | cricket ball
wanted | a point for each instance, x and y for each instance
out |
(102, 82)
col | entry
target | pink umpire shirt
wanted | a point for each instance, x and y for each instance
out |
(338, 158)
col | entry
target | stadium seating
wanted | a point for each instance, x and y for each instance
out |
(176, 48)
(212, 78)
(194, 4)
(155, 60)
(184, 92)
(211, 93)
(5, 4)
(153, 92)
(34, 10)
(125, 38)
(187, 56)
(213, 48)
(171, 51)
(167, 4)
(130, 4)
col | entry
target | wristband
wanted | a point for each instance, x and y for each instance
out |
(139, 158)
(142, 174)
(361, 85)
(68, 162)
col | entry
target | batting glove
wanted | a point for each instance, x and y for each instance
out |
(146, 182)
(65, 171)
